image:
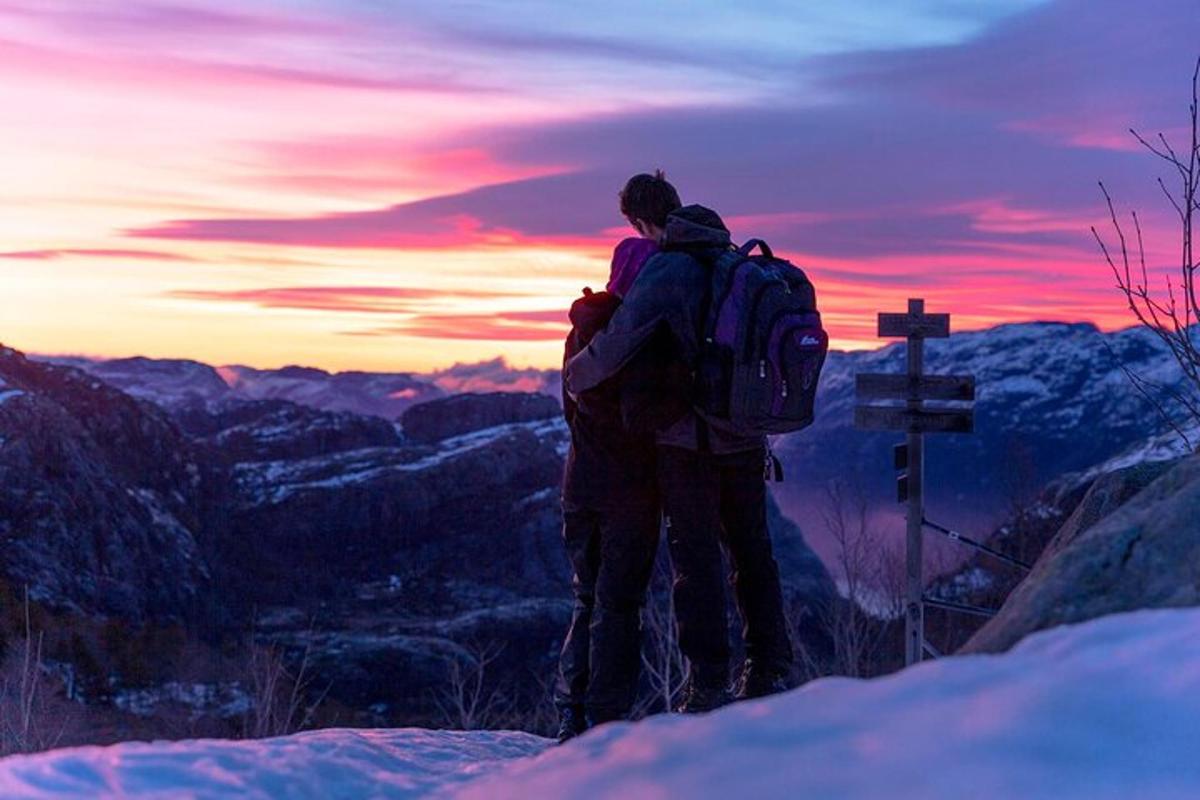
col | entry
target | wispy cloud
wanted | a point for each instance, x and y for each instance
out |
(99, 252)
(349, 299)
(505, 326)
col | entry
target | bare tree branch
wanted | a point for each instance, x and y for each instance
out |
(1172, 315)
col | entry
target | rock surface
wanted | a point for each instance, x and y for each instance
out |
(1144, 554)
(263, 430)
(105, 506)
(463, 413)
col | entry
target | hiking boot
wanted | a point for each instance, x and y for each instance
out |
(571, 722)
(759, 682)
(699, 698)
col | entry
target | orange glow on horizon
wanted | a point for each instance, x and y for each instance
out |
(268, 185)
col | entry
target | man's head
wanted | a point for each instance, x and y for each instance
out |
(646, 201)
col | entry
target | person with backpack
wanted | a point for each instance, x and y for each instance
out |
(748, 329)
(610, 503)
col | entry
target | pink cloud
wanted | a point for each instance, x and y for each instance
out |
(356, 299)
(138, 18)
(377, 163)
(151, 68)
(406, 227)
(506, 326)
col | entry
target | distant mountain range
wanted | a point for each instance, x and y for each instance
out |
(1052, 398)
(177, 384)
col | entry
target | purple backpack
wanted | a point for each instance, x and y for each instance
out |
(763, 345)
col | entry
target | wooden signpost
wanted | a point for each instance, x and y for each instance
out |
(908, 393)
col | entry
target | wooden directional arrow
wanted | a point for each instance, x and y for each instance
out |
(887, 418)
(879, 386)
(926, 326)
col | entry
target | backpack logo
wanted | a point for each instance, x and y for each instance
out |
(809, 341)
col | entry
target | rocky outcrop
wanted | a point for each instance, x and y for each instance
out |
(268, 430)
(984, 581)
(456, 508)
(167, 382)
(105, 506)
(463, 413)
(1105, 495)
(1143, 554)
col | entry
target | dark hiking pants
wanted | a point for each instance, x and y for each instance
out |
(612, 553)
(708, 500)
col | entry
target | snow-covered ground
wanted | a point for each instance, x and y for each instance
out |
(1108, 709)
(320, 764)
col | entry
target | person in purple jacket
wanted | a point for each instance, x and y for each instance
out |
(610, 502)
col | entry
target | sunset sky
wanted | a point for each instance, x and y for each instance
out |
(360, 184)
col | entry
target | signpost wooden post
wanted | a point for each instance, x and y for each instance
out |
(913, 388)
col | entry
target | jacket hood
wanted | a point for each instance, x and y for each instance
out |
(695, 226)
(628, 259)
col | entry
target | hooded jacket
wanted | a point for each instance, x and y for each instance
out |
(613, 425)
(670, 294)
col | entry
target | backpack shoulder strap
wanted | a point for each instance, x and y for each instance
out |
(709, 259)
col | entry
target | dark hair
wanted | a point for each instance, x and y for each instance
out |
(649, 198)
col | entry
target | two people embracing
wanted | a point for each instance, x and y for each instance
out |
(673, 377)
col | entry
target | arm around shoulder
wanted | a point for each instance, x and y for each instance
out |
(644, 307)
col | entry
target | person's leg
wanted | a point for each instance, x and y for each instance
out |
(689, 483)
(628, 544)
(755, 574)
(582, 540)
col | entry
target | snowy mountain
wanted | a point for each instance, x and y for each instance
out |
(178, 384)
(255, 430)
(1105, 709)
(381, 394)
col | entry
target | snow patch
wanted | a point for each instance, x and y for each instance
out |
(273, 482)
(10, 394)
(1106, 709)
(330, 765)
(225, 700)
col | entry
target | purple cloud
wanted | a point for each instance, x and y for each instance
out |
(898, 163)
